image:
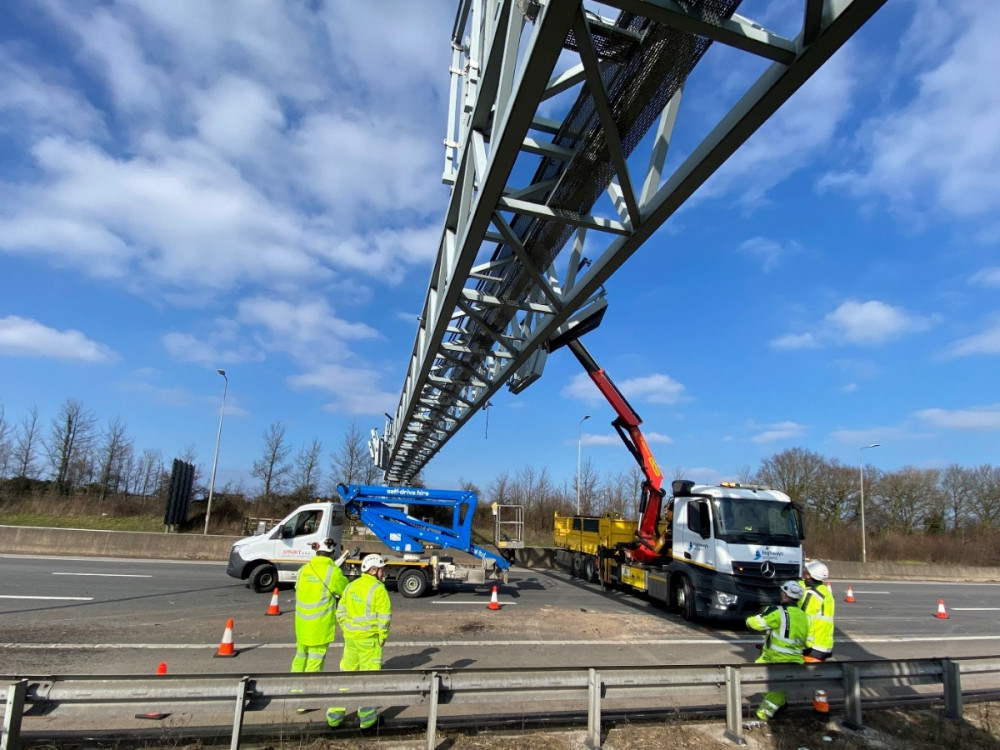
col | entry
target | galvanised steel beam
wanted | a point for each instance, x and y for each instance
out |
(529, 187)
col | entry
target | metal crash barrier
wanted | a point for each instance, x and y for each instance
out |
(271, 703)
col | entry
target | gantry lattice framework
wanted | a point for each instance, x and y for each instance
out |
(559, 124)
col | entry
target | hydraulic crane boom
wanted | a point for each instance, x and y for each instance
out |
(649, 543)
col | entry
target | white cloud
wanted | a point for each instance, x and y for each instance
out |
(849, 388)
(779, 431)
(23, 337)
(653, 389)
(355, 390)
(941, 150)
(768, 252)
(987, 342)
(988, 277)
(792, 341)
(973, 419)
(872, 322)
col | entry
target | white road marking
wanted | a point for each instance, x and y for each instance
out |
(975, 609)
(105, 575)
(479, 604)
(51, 598)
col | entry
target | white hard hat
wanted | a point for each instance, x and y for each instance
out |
(793, 589)
(372, 561)
(818, 570)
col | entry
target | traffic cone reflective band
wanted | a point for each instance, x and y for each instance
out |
(226, 647)
(941, 614)
(274, 609)
(820, 702)
(850, 594)
(494, 603)
(162, 668)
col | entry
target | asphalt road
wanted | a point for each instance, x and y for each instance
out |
(113, 616)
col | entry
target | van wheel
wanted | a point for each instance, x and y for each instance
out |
(684, 599)
(264, 578)
(412, 583)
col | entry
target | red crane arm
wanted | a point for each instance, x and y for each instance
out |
(649, 543)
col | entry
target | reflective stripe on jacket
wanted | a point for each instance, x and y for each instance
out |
(786, 629)
(364, 610)
(818, 604)
(319, 585)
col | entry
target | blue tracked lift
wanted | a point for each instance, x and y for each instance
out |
(381, 510)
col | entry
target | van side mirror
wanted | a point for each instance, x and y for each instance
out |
(286, 532)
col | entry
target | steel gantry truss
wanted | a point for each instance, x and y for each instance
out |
(550, 103)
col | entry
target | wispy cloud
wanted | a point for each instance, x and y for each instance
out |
(779, 431)
(986, 342)
(856, 323)
(769, 253)
(973, 419)
(23, 337)
(988, 277)
(653, 389)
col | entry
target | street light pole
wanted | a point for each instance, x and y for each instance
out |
(579, 447)
(215, 461)
(861, 463)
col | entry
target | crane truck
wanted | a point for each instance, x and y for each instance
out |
(707, 551)
(275, 556)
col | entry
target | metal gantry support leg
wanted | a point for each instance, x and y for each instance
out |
(734, 706)
(593, 709)
(16, 691)
(432, 711)
(952, 673)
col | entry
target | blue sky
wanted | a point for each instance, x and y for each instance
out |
(185, 188)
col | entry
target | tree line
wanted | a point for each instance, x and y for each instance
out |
(76, 455)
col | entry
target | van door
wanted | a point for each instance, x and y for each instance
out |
(694, 537)
(294, 538)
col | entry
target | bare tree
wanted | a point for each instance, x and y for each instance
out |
(834, 495)
(306, 476)
(69, 439)
(26, 441)
(271, 468)
(6, 445)
(114, 448)
(348, 463)
(985, 501)
(958, 485)
(149, 473)
(793, 471)
(905, 499)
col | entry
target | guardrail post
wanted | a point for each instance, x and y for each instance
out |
(734, 706)
(593, 709)
(241, 696)
(13, 712)
(432, 711)
(852, 698)
(951, 671)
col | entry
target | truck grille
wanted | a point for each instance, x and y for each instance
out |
(765, 573)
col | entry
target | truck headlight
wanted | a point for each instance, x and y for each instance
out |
(724, 600)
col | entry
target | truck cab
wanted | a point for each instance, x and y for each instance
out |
(274, 557)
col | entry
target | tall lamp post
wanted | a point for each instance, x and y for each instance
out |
(215, 461)
(579, 448)
(861, 463)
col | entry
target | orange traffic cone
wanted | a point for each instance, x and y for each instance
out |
(850, 595)
(274, 609)
(494, 604)
(226, 647)
(821, 703)
(162, 668)
(941, 614)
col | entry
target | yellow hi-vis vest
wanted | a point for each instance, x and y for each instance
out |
(818, 604)
(786, 627)
(319, 585)
(364, 610)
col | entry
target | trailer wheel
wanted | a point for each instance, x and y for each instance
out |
(684, 599)
(264, 578)
(412, 583)
(590, 569)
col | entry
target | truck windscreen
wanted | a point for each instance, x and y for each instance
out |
(754, 521)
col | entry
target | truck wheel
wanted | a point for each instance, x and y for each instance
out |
(590, 569)
(412, 583)
(577, 565)
(264, 578)
(684, 599)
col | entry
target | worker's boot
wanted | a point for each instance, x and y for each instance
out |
(335, 716)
